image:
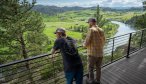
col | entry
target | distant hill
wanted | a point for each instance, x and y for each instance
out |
(53, 10)
(123, 9)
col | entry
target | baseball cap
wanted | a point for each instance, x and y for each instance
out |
(62, 30)
(91, 20)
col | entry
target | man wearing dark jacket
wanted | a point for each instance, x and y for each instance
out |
(73, 67)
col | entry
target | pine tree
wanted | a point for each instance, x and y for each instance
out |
(144, 5)
(99, 17)
(21, 30)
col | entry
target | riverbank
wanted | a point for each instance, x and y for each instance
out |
(123, 28)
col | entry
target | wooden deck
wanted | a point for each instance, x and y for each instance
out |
(126, 71)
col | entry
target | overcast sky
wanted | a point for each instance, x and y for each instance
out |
(89, 3)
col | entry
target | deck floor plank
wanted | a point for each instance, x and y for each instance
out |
(126, 71)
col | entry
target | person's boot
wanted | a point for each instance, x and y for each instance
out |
(87, 75)
(97, 82)
(89, 82)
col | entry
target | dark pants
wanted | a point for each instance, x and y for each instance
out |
(94, 63)
(77, 75)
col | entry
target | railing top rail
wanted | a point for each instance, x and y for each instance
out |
(44, 55)
(28, 59)
(20, 61)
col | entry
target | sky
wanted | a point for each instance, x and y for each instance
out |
(90, 3)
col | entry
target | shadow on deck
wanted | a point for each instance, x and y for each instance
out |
(126, 71)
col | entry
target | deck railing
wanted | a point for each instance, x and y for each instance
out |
(43, 69)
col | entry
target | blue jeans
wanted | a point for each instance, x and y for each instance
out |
(77, 75)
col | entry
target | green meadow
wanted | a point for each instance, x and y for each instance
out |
(52, 26)
(76, 18)
(66, 20)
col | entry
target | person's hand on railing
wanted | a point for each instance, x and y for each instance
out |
(83, 43)
(52, 58)
(52, 55)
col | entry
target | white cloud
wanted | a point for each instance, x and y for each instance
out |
(89, 3)
(119, 3)
(64, 4)
(70, 4)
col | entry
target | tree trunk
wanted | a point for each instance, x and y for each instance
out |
(25, 56)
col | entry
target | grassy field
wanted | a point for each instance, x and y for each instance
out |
(121, 16)
(73, 18)
(66, 20)
(52, 26)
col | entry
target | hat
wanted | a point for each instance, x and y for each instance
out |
(62, 30)
(91, 20)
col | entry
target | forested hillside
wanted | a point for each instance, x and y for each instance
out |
(53, 10)
(138, 21)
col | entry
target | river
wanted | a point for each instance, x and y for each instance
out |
(123, 29)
